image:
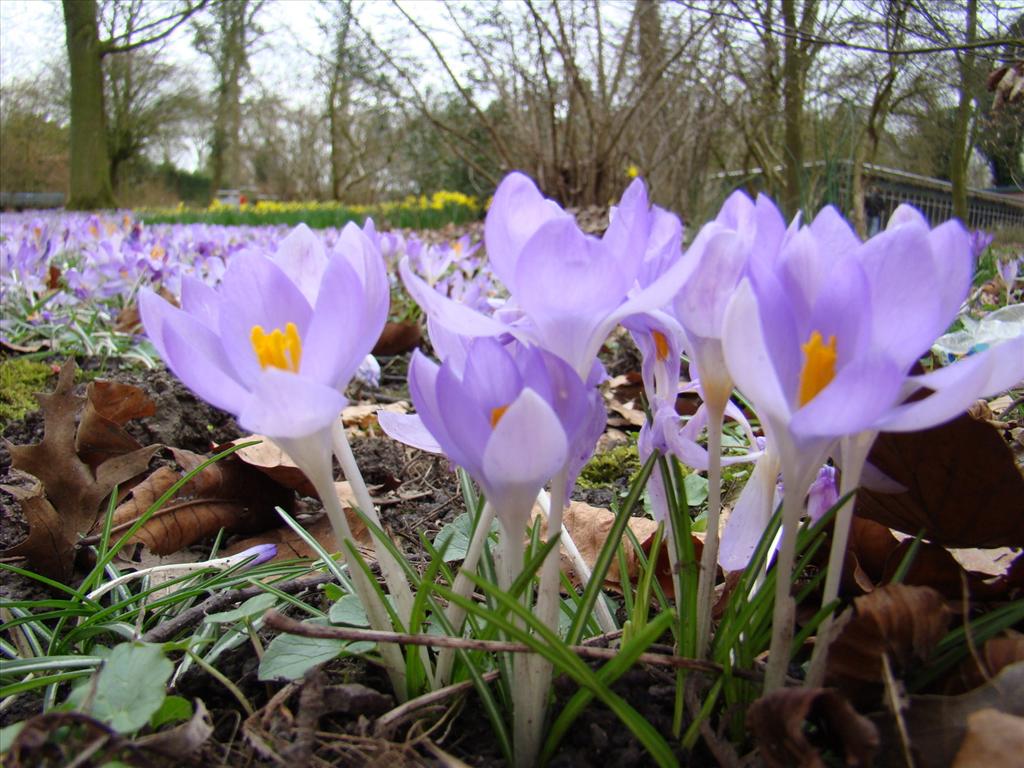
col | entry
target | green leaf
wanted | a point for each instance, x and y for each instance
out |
(8, 734)
(696, 489)
(456, 536)
(250, 609)
(129, 688)
(174, 709)
(289, 657)
(349, 611)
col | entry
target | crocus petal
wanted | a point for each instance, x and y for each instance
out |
(823, 493)
(749, 518)
(700, 304)
(196, 356)
(200, 300)
(858, 395)
(526, 448)
(454, 316)
(951, 250)
(957, 386)
(283, 405)
(301, 255)
(409, 429)
(834, 234)
(517, 211)
(746, 354)
(328, 356)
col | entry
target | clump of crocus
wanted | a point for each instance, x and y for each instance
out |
(276, 344)
(821, 338)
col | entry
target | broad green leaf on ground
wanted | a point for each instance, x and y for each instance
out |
(174, 709)
(454, 538)
(128, 689)
(696, 489)
(252, 608)
(349, 612)
(289, 657)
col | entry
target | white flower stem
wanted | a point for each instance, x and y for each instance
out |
(394, 662)
(709, 557)
(394, 575)
(854, 454)
(530, 711)
(783, 617)
(462, 587)
(603, 614)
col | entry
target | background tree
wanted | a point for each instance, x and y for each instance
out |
(226, 37)
(90, 178)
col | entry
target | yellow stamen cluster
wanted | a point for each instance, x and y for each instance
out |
(660, 345)
(819, 366)
(277, 349)
(496, 414)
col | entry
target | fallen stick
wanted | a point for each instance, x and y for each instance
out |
(282, 623)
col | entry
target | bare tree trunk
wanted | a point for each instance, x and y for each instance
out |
(90, 163)
(961, 154)
(794, 69)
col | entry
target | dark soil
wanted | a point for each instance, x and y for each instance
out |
(421, 494)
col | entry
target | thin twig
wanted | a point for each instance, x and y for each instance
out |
(390, 719)
(166, 630)
(282, 623)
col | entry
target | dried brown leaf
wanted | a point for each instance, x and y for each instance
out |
(963, 486)
(73, 489)
(108, 406)
(992, 658)
(934, 566)
(291, 546)
(994, 739)
(269, 459)
(228, 494)
(778, 719)
(397, 339)
(589, 527)
(902, 622)
(937, 724)
(48, 542)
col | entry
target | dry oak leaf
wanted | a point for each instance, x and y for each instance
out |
(72, 489)
(902, 622)
(934, 566)
(777, 721)
(993, 657)
(963, 487)
(994, 740)
(108, 406)
(227, 494)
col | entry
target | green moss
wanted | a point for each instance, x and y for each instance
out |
(606, 470)
(20, 379)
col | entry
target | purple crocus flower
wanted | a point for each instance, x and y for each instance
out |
(821, 338)
(568, 289)
(509, 417)
(266, 345)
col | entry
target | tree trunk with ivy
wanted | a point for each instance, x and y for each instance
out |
(90, 185)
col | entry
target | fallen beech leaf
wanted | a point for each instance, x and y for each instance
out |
(72, 489)
(48, 543)
(937, 724)
(290, 545)
(993, 657)
(868, 550)
(269, 459)
(364, 415)
(108, 405)
(902, 622)
(589, 527)
(228, 494)
(397, 339)
(777, 721)
(994, 739)
(934, 566)
(963, 487)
